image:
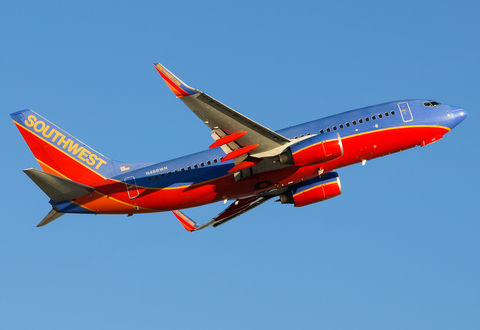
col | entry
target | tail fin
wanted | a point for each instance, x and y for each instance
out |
(60, 153)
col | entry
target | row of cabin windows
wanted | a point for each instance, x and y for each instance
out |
(360, 121)
(195, 166)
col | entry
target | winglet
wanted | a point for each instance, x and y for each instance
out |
(176, 85)
(186, 222)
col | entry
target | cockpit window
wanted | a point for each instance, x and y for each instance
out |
(431, 104)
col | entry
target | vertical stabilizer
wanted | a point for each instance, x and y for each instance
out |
(60, 153)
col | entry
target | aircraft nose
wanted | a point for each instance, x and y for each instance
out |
(459, 114)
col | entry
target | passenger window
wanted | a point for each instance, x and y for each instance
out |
(354, 123)
(182, 169)
(308, 134)
(321, 131)
(367, 119)
(386, 114)
(209, 162)
(163, 175)
(215, 160)
(334, 128)
(189, 168)
(202, 164)
(341, 126)
(169, 173)
(380, 116)
(392, 112)
(156, 177)
(302, 135)
(328, 130)
(347, 124)
(360, 121)
(150, 179)
(176, 171)
(195, 166)
(374, 118)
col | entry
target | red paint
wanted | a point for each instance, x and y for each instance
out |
(318, 153)
(317, 194)
(176, 89)
(56, 162)
(239, 152)
(111, 195)
(245, 164)
(381, 143)
(430, 141)
(227, 139)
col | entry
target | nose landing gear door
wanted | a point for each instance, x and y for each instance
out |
(131, 186)
(405, 111)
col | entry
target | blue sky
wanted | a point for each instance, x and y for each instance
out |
(398, 249)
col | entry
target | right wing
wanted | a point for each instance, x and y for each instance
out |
(227, 124)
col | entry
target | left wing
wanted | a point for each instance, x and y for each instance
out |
(231, 130)
(235, 209)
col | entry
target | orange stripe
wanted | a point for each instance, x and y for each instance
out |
(41, 151)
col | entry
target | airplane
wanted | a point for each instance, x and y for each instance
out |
(247, 162)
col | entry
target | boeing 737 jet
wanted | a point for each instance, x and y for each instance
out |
(247, 163)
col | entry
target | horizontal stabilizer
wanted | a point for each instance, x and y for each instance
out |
(52, 215)
(57, 188)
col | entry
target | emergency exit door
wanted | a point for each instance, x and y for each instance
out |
(131, 186)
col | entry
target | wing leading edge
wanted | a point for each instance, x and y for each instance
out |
(224, 121)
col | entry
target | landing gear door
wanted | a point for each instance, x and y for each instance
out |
(405, 111)
(131, 186)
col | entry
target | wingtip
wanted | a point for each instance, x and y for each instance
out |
(177, 86)
(186, 222)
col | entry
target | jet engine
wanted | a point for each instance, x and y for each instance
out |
(312, 191)
(315, 150)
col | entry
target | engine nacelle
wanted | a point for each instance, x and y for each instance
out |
(313, 191)
(315, 150)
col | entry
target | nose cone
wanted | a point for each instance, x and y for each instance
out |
(459, 115)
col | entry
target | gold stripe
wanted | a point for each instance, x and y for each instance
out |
(19, 125)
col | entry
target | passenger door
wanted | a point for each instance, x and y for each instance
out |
(405, 111)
